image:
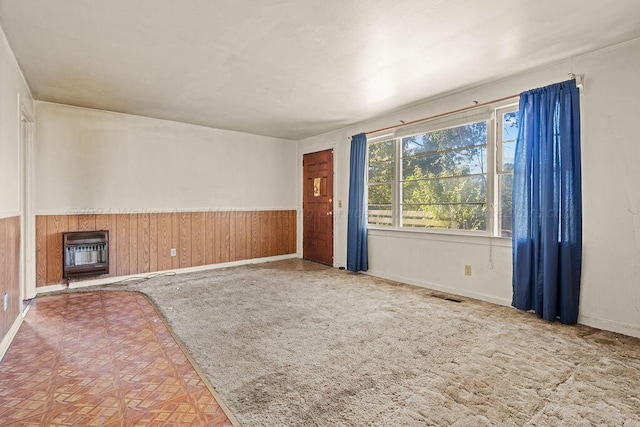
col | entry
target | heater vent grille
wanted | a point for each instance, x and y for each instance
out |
(85, 253)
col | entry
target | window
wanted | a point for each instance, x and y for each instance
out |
(382, 165)
(506, 150)
(438, 175)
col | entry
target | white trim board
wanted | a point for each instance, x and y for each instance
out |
(112, 280)
(594, 322)
(11, 333)
(610, 325)
(116, 211)
(440, 288)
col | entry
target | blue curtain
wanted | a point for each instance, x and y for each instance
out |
(357, 253)
(547, 203)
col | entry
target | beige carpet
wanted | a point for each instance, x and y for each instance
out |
(297, 344)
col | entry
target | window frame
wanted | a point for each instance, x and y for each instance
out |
(379, 140)
(499, 171)
(493, 171)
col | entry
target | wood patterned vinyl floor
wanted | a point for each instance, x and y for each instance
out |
(100, 359)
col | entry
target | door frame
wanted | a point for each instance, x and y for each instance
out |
(300, 173)
(27, 223)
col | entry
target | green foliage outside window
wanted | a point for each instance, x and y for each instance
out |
(444, 182)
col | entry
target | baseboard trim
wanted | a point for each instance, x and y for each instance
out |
(11, 334)
(440, 288)
(110, 280)
(594, 322)
(610, 325)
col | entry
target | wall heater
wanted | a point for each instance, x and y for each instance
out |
(85, 253)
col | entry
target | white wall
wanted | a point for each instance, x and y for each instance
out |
(12, 85)
(96, 161)
(610, 297)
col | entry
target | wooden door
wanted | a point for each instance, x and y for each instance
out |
(317, 207)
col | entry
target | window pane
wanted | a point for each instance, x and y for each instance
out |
(444, 181)
(380, 214)
(455, 216)
(381, 176)
(508, 155)
(467, 189)
(506, 188)
(380, 194)
(449, 163)
(510, 126)
(381, 172)
(446, 139)
(381, 151)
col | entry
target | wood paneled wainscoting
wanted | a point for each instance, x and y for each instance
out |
(9, 272)
(141, 242)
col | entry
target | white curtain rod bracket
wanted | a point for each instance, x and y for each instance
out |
(579, 78)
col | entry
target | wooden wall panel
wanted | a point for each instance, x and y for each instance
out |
(9, 271)
(41, 250)
(245, 220)
(280, 227)
(255, 234)
(164, 242)
(175, 239)
(225, 241)
(264, 236)
(153, 242)
(209, 238)
(244, 238)
(185, 240)
(56, 225)
(240, 236)
(197, 238)
(288, 230)
(273, 233)
(217, 237)
(110, 222)
(141, 243)
(123, 228)
(247, 234)
(113, 237)
(133, 244)
(144, 245)
(87, 223)
(293, 238)
(73, 223)
(232, 234)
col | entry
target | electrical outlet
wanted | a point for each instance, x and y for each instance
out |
(467, 270)
(6, 301)
(173, 252)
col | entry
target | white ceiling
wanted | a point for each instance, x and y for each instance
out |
(295, 68)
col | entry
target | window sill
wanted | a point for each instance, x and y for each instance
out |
(441, 235)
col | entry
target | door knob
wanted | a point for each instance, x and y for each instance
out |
(330, 213)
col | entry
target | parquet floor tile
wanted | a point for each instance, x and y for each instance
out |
(100, 359)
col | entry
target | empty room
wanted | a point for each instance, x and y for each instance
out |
(319, 213)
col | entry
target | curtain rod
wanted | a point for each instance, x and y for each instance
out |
(443, 114)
